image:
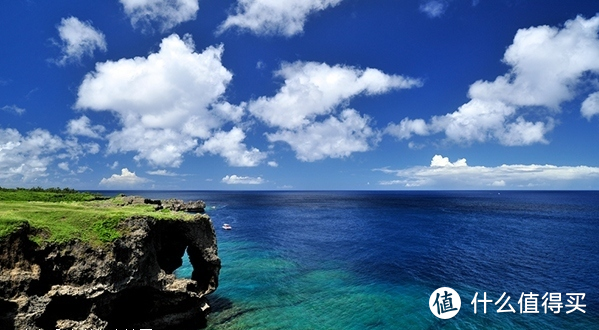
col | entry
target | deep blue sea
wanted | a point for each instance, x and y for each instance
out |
(371, 260)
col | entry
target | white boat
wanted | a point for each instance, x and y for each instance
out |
(227, 226)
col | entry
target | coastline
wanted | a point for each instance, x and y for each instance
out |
(52, 281)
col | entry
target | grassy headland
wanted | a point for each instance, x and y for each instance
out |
(60, 215)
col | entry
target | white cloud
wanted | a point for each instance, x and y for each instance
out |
(64, 166)
(415, 146)
(522, 132)
(162, 173)
(548, 66)
(26, 158)
(272, 163)
(590, 106)
(459, 175)
(234, 179)
(163, 90)
(229, 145)
(313, 89)
(91, 148)
(78, 39)
(159, 146)
(477, 120)
(498, 183)
(166, 13)
(80, 169)
(13, 108)
(83, 127)
(126, 178)
(546, 62)
(434, 8)
(440, 161)
(83, 169)
(334, 137)
(274, 17)
(316, 89)
(166, 102)
(406, 128)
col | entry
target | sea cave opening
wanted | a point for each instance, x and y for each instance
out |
(185, 270)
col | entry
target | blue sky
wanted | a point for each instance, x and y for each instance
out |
(299, 94)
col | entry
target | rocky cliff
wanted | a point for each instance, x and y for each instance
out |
(126, 284)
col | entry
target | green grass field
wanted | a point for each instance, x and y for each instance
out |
(60, 216)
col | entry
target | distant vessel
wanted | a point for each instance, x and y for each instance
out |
(227, 226)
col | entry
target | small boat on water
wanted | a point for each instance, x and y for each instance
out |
(227, 226)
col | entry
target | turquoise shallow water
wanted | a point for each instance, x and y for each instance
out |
(259, 291)
(370, 260)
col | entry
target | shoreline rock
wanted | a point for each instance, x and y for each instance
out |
(126, 284)
(177, 205)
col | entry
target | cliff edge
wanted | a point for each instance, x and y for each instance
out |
(128, 283)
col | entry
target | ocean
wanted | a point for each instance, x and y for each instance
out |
(372, 259)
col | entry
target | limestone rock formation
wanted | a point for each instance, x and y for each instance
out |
(170, 204)
(179, 205)
(126, 284)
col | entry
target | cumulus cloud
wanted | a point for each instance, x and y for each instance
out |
(78, 39)
(333, 137)
(125, 179)
(546, 62)
(166, 102)
(267, 17)
(407, 127)
(434, 8)
(442, 173)
(164, 13)
(306, 110)
(235, 179)
(313, 89)
(83, 127)
(64, 166)
(91, 148)
(440, 161)
(80, 169)
(229, 145)
(159, 146)
(548, 67)
(14, 109)
(590, 106)
(26, 158)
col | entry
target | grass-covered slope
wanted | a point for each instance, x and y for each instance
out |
(63, 215)
(46, 195)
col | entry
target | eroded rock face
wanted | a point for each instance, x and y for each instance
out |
(172, 204)
(180, 205)
(128, 284)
